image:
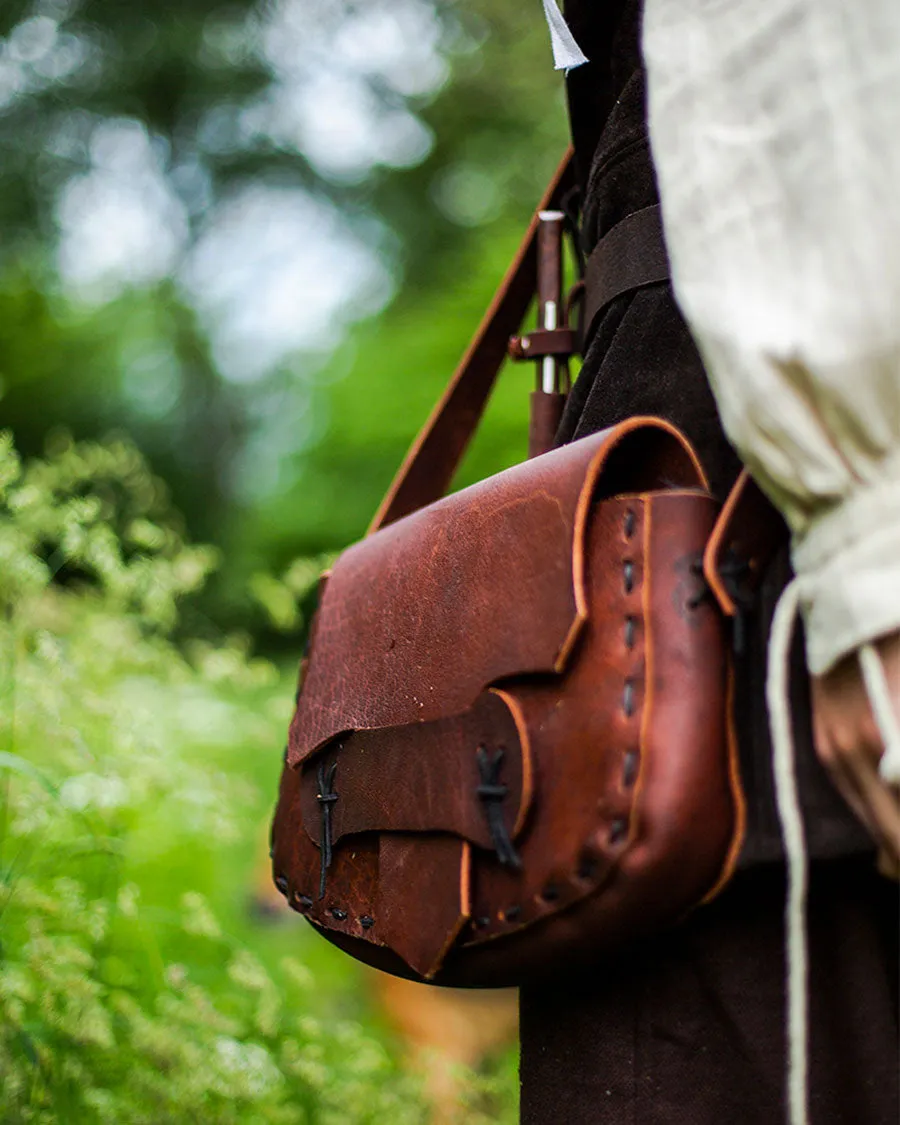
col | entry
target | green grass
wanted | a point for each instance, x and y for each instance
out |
(136, 777)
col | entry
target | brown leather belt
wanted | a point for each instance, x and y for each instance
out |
(630, 256)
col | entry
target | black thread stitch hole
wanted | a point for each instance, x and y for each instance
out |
(281, 883)
(629, 524)
(628, 698)
(628, 574)
(588, 867)
(511, 913)
(337, 914)
(629, 768)
(630, 631)
(304, 901)
(483, 922)
(618, 830)
(550, 894)
(367, 921)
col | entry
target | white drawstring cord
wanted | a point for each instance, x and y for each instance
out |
(566, 52)
(784, 768)
(883, 709)
(786, 796)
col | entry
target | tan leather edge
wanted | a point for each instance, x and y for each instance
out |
(716, 544)
(617, 433)
(465, 881)
(465, 910)
(525, 752)
(592, 475)
(582, 510)
(670, 428)
(737, 793)
(639, 497)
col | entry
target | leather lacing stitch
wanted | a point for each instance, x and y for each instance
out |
(618, 829)
(326, 797)
(304, 903)
(491, 792)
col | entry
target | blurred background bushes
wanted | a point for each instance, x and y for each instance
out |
(255, 237)
(242, 246)
(137, 983)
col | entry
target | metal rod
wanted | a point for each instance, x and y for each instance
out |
(549, 288)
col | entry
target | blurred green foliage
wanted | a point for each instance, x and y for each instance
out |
(134, 779)
(139, 736)
(292, 463)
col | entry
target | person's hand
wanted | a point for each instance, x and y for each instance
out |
(850, 747)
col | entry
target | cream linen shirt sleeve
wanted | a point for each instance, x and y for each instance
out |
(775, 129)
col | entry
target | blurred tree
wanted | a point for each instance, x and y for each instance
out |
(199, 76)
(155, 162)
(499, 129)
(67, 65)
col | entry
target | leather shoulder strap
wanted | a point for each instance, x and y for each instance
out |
(428, 468)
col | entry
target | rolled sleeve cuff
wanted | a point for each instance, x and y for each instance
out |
(848, 564)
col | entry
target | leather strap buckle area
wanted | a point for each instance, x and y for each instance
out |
(428, 468)
(543, 342)
(630, 256)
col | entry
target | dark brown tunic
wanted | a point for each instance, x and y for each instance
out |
(642, 360)
(688, 1028)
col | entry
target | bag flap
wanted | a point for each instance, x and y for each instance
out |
(488, 583)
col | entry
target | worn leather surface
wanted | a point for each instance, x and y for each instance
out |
(617, 850)
(421, 777)
(296, 863)
(417, 921)
(418, 618)
(558, 614)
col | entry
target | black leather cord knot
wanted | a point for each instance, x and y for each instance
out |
(704, 591)
(733, 570)
(492, 792)
(326, 797)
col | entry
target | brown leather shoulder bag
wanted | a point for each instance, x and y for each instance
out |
(512, 748)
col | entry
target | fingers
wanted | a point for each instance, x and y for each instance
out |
(849, 745)
(882, 804)
(845, 783)
(888, 865)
